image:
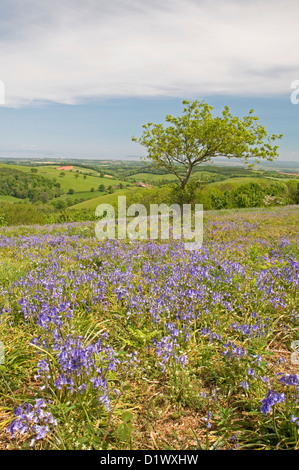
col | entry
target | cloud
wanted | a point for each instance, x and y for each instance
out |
(69, 51)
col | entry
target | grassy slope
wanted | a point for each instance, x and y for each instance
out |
(240, 180)
(9, 199)
(84, 195)
(83, 186)
(144, 177)
(105, 199)
(69, 181)
(148, 177)
(167, 410)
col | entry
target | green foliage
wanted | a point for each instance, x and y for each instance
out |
(2, 220)
(197, 137)
(22, 214)
(215, 187)
(228, 196)
(187, 194)
(151, 196)
(293, 191)
(124, 430)
(248, 259)
(27, 186)
(245, 195)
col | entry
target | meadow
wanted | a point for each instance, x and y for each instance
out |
(144, 345)
(79, 179)
(32, 192)
(93, 203)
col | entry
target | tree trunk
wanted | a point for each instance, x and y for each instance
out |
(187, 176)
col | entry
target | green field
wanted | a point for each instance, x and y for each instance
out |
(202, 174)
(9, 199)
(105, 199)
(239, 180)
(148, 177)
(82, 180)
(143, 344)
(69, 180)
(82, 195)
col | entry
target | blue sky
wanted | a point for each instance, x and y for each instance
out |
(82, 77)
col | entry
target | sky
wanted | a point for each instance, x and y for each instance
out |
(79, 79)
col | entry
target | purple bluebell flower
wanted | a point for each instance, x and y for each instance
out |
(271, 399)
(208, 420)
(34, 420)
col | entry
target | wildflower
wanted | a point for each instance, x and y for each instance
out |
(290, 380)
(270, 400)
(294, 419)
(265, 379)
(32, 419)
(244, 384)
(207, 420)
(251, 372)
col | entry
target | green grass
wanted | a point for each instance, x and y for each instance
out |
(148, 177)
(47, 168)
(69, 181)
(103, 199)
(9, 199)
(284, 180)
(82, 195)
(231, 308)
(92, 204)
(239, 181)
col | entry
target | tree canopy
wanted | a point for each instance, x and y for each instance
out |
(29, 186)
(197, 137)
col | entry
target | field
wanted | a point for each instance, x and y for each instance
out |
(83, 195)
(8, 199)
(69, 180)
(104, 199)
(144, 345)
(238, 181)
(73, 195)
(150, 177)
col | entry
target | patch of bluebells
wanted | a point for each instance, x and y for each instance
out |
(234, 441)
(290, 380)
(252, 331)
(211, 334)
(174, 285)
(251, 372)
(166, 349)
(80, 366)
(160, 282)
(266, 380)
(33, 420)
(271, 399)
(257, 359)
(232, 351)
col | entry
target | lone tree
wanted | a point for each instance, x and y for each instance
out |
(197, 137)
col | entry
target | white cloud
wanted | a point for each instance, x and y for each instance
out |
(67, 51)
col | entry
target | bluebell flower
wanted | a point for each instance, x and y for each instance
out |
(207, 420)
(271, 399)
(34, 420)
(294, 419)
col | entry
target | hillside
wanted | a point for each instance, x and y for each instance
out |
(72, 190)
(122, 344)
